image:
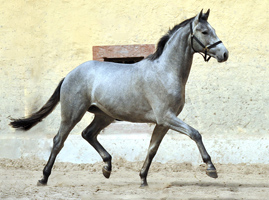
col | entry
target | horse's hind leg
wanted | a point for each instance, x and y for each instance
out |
(70, 116)
(156, 139)
(90, 134)
(58, 143)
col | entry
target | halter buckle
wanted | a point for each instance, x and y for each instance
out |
(206, 49)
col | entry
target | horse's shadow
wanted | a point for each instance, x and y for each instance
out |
(219, 185)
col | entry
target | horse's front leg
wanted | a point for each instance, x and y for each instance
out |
(156, 139)
(178, 125)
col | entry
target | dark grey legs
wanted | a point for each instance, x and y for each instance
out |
(101, 121)
(156, 139)
(58, 143)
(89, 134)
(211, 170)
(178, 125)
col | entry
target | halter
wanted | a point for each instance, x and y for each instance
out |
(206, 48)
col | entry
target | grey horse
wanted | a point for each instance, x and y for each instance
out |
(149, 91)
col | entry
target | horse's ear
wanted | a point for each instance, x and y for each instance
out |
(206, 14)
(200, 15)
(198, 18)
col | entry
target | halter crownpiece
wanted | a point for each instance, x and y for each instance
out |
(206, 48)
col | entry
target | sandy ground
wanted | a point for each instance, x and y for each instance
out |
(166, 181)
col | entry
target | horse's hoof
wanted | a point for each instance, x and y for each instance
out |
(41, 183)
(106, 172)
(212, 173)
(144, 183)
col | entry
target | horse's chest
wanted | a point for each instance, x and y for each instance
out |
(176, 99)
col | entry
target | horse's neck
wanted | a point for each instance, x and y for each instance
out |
(178, 55)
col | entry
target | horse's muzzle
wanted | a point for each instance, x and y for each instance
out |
(223, 57)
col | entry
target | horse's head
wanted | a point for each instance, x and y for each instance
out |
(204, 39)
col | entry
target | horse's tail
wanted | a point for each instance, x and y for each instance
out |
(28, 122)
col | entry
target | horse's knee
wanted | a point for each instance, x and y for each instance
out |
(195, 135)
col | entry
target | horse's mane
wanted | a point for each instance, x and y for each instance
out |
(165, 38)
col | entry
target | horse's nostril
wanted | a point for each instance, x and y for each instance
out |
(225, 56)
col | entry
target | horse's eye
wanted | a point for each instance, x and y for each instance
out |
(205, 32)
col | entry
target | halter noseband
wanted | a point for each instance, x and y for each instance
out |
(206, 48)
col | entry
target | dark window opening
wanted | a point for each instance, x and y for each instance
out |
(122, 53)
(128, 60)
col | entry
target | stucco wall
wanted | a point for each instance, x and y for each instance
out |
(41, 41)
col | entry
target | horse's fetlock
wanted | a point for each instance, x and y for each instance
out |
(207, 159)
(143, 174)
(107, 158)
(46, 172)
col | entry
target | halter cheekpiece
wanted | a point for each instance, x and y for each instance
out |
(206, 48)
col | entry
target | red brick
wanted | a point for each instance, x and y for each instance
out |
(122, 51)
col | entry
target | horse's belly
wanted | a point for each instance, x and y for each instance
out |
(126, 108)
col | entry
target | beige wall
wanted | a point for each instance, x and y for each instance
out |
(41, 41)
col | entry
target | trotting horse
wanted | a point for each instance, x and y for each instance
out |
(150, 91)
